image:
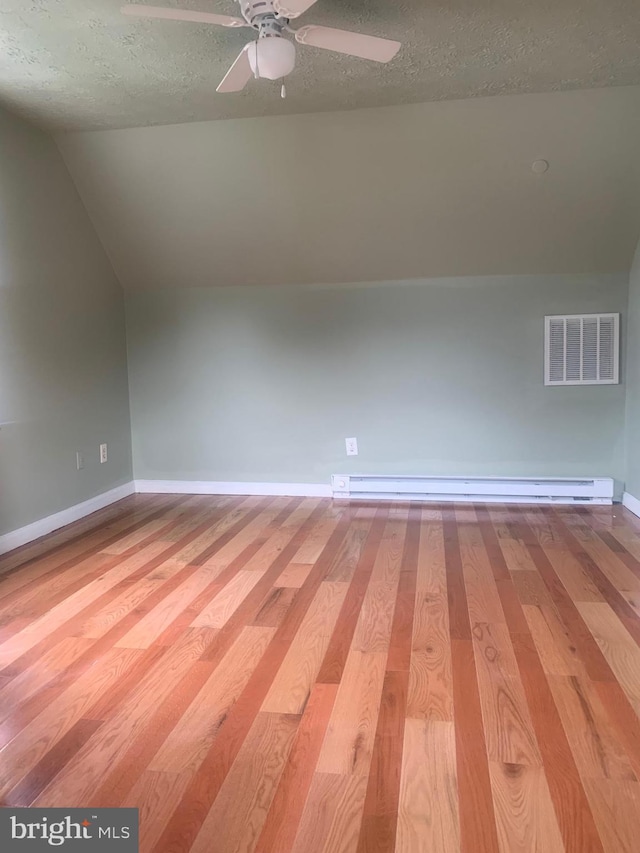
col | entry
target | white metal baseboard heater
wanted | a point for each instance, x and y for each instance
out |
(547, 490)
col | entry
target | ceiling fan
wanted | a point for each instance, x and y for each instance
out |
(272, 55)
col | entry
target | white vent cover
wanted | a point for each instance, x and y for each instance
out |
(582, 349)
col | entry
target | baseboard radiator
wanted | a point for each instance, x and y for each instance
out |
(569, 490)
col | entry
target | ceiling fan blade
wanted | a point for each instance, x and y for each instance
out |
(137, 11)
(291, 8)
(354, 44)
(238, 75)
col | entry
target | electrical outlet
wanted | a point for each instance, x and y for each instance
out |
(79, 460)
(352, 446)
(103, 454)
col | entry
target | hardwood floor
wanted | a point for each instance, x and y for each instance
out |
(288, 675)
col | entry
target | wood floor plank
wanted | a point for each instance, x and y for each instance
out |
(626, 548)
(616, 809)
(511, 607)
(380, 817)
(459, 625)
(597, 751)
(428, 811)
(238, 815)
(295, 574)
(297, 675)
(30, 603)
(156, 796)
(203, 789)
(124, 772)
(61, 621)
(336, 655)
(29, 745)
(150, 626)
(221, 608)
(373, 629)
(617, 599)
(430, 676)
(582, 638)
(516, 556)
(292, 685)
(569, 798)
(24, 572)
(187, 745)
(572, 574)
(388, 562)
(274, 607)
(477, 818)
(100, 623)
(483, 601)
(492, 544)
(532, 589)
(81, 777)
(623, 719)
(314, 544)
(380, 814)
(351, 549)
(508, 727)
(42, 773)
(41, 628)
(542, 528)
(348, 744)
(33, 679)
(332, 815)
(558, 654)
(73, 535)
(259, 524)
(610, 564)
(400, 641)
(617, 645)
(524, 812)
(281, 824)
(280, 537)
(219, 523)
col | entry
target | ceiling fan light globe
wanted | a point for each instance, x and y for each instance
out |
(272, 58)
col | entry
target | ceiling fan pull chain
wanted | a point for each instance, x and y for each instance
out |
(283, 91)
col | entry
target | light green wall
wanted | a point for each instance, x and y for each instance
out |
(633, 381)
(405, 192)
(63, 370)
(435, 377)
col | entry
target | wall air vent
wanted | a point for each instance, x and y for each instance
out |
(582, 349)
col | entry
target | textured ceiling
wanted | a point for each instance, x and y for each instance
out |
(79, 64)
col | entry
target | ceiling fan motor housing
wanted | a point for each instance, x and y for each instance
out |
(262, 16)
(272, 56)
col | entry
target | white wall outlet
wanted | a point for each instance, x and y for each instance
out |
(79, 460)
(103, 454)
(352, 446)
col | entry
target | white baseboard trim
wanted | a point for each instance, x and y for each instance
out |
(631, 503)
(212, 487)
(16, 538)
(24, 535)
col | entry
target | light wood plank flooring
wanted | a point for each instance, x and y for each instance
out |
(289, 675)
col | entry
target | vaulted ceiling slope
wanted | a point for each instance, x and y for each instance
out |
(79, 64)
(441, 189)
